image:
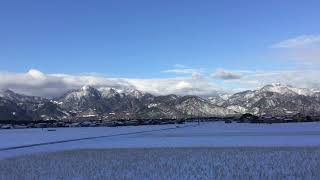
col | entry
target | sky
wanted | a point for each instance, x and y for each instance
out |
(162, 47)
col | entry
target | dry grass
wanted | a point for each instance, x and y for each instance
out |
(167, 163)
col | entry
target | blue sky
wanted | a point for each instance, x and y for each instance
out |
(146, 39)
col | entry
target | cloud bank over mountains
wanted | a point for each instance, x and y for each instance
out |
(35, 82)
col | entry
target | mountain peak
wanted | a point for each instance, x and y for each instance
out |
(278, 88)
(277, 85)
(134, 93)
(87, 88)
(3, 90)
(108, 92)
(88, 91)
(7, 93)
(85, 91)
(286, 89)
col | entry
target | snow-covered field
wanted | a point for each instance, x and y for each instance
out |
(208, 150)
(167, 163)
(216, 134)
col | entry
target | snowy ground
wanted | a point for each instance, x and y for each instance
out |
(216, 134)
(215, 150)
(167, 163)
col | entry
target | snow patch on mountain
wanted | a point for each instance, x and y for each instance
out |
(85, 91)
(108, 92)
(111, 92)
(237, 108)
(287, 89)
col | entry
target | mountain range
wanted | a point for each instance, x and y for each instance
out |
(110, 103)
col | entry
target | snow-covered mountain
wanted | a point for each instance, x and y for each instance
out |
(28, 102)
(24, 107)
(286, 90)
(111, 92)
(194, 105)
(87, 92)
(316, 96)
(112, 103)
(274, 99)
(81, 99)
(11, 111)
(218, 99)
(131, 103)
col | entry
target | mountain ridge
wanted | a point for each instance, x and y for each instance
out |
(111, 103)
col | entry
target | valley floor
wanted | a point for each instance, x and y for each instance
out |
(190, 151)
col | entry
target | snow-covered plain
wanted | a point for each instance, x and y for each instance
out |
(209, 150)
(209, 134)
(167, 164)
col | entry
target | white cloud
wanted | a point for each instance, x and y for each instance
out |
(225, 74)
(183, 71)
(179, 66)
(37, 83)
(304, 78)
(306, 55)
(298, 42)
(183, 85)
(304, 48)
(194, 85)
(36, 74)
